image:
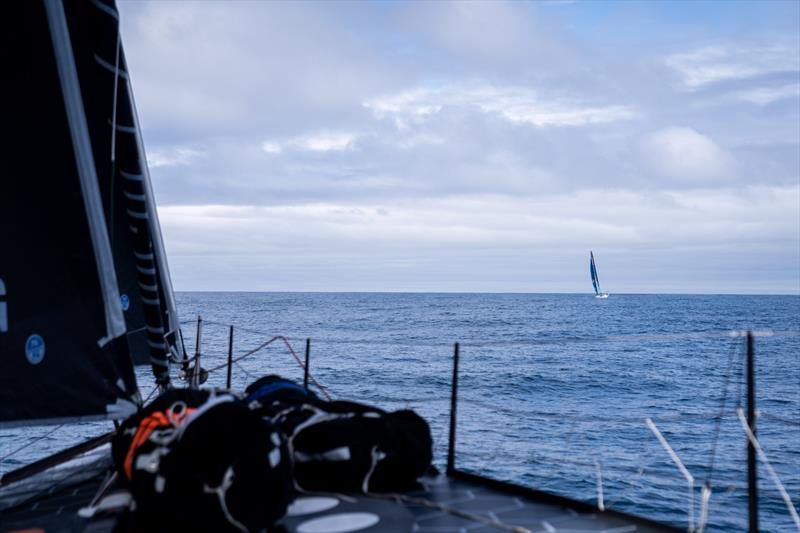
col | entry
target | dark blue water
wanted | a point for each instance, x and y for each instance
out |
(554, 389)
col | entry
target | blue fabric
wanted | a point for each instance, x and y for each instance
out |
(274, 387)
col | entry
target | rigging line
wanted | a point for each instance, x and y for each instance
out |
(377, 342)
(679, 464)
(721, 334)
(31, 442)
(634, 484)
(111, 478)
(723, 401)
(150, 395)
(588, 418)
(775, 479)
(246, 354)
(785, 420)
(114, 140)
(699, 335)
(669, 450)
(641, 471)
(720, 506)
(410, 401)
(291, 350)
(715, 334)
(243, 369)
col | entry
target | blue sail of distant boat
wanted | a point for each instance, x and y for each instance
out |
(593, 272)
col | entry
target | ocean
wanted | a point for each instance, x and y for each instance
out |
(554, 389)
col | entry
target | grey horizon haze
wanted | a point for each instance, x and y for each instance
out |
(473, 146)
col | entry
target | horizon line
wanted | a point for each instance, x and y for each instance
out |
(490, 292)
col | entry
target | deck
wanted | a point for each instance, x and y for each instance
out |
(453, 503)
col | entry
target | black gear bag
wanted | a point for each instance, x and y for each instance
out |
(202, 461)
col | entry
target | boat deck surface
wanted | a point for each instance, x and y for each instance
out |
(441, 504)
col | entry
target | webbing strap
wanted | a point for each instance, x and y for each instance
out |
(147, 426)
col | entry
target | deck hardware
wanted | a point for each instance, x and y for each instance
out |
(305, 367)
(230, 357)
(451, 443)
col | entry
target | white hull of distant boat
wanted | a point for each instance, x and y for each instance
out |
(598, 293)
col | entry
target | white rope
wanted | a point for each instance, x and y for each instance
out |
(376, 455)
(599, 470)
(705, 496)
(679, 464)
(761, 455)
(221, 491)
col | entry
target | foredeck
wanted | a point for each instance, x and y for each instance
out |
(442, 504)
(445, 504)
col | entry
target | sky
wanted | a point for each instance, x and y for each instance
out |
(473, 146)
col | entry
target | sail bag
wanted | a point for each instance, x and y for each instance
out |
(202, 461)
(344, 446)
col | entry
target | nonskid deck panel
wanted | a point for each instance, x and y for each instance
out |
(442, 504)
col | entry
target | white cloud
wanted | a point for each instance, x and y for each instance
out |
(713, 64)
(767, 95)
(326, 141)
(683, 155)
(174, 156)
(515, 104)
(272, 147)
(606, 218)
(494, 242)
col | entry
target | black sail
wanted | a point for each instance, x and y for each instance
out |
(134, 234)
(63, 349)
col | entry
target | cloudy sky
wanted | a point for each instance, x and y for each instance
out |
(423, 146)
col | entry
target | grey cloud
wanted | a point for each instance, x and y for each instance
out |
(418, 134)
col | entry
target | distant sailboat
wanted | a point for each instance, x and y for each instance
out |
(598, 293)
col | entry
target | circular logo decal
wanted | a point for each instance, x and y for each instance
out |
(126, 302)
(34, 349)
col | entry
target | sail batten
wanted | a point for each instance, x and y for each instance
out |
(171, 319)
(146, 292)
